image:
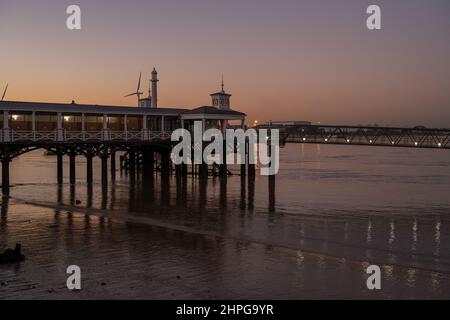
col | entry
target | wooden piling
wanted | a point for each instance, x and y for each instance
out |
(5, 174)
(59, 169)
(165, 164)
(148, 159)
(132, 164)
(72, 170)
(113, 164)
(104, 160)
(223, 171)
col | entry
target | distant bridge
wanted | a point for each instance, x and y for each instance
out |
(365, 136)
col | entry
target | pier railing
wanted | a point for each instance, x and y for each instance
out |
(10, 135)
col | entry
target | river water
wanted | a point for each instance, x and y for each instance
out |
(335, 210)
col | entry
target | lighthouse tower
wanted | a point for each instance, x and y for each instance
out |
(221, 100)
(154, 81)
(152, 100)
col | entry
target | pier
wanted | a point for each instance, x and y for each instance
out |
(143, 135)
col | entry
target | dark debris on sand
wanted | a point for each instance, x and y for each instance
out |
(12, 256)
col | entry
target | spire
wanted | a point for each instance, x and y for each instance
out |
(223, 86)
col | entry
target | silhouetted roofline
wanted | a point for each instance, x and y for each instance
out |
(213, 110)
(107, 109)
(221, 93)
(84, 108)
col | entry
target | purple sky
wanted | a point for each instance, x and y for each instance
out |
(305, 59)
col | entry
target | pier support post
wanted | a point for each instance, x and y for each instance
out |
(223, 171)
(244, 165)
(148, 165)
(132, 163)
(251, 171)
(203, 171)
(184, 170)
(243, 170)
(165, 164)
(271, 183)
(113, 164)
(5, 174)
(179, 171)
(203, 167)
(72, 169)
(104, 160)
(89, 170)
(251, 163)
(272, 193)
(59, 167)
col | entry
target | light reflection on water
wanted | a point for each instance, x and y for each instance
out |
(333, 211)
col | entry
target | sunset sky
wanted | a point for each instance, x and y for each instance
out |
(282, 60)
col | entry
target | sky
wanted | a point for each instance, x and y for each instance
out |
(311, 60)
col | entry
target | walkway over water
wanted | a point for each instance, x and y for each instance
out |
(418, 137)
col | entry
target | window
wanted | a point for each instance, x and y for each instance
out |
(154, 123)
(171, 123)
(116, 123)
(212, 124)
(134, 123)
(72, 122)
(21, 122)
(94, 123)
(46, 122)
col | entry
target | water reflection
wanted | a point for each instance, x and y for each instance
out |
(89, 200)
(223, 193)
(4, 212)
(437, 237)
(391, 233)
(271, 193)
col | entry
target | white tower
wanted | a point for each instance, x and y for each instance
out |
(221, 100)
(154, 89)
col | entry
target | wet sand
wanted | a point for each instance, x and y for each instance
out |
(334, 211)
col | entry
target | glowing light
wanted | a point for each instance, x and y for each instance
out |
(393, 142)
(66, 118)
(15, 117)
(348, 140)
(326, 140)
(416, 144)
(370, 141)
(304, 139)
(439, 144)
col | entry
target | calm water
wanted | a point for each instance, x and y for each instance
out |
(335, 210)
